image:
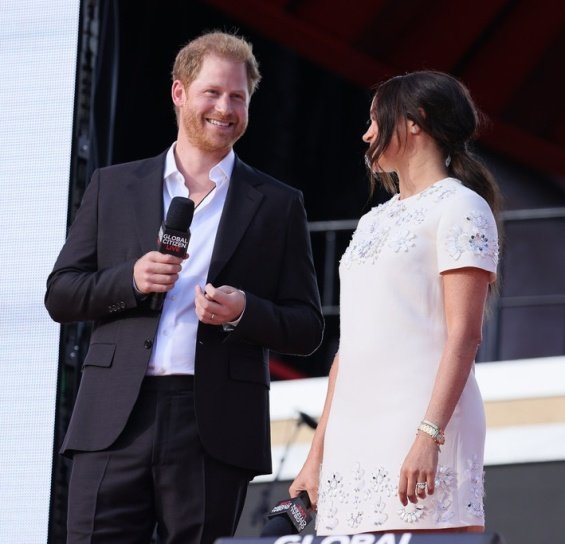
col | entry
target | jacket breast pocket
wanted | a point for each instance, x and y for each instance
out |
(250, 365)
(100, 355)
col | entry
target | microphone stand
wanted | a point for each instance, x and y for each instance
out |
(265, 502)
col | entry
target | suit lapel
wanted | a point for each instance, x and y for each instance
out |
(146, 193)
(242, 202)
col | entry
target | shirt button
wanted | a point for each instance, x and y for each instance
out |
(148, 344)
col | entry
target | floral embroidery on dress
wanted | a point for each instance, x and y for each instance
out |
(380, 482)
(365, 247)
(402, 241)
(473, 237)
(411, 513)
(363, 492)
(379, 514)
(334, 487)
(357, 484)
(416, 216)
(437, 190)
(379, 487)
(355, 496)
(476, 478)
(368, 496)
(446, 478)
(442, 503)
(330, 488)
(395, 207)
(354, 519)
(327, 520)
(377, 228)
(374, 229)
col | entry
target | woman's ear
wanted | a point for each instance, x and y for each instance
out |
(413, 127)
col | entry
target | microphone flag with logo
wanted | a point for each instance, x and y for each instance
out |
(174, 236)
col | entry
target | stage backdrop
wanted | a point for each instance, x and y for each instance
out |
(38, 44)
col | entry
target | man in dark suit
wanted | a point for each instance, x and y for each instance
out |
(171, 420)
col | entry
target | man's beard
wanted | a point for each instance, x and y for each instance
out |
(195, 125)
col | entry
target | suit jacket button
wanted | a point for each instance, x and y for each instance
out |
(148, 344)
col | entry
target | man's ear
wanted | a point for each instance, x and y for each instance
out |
(178, 93)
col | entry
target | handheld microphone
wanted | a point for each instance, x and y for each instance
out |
(174, 236)
(289, 516)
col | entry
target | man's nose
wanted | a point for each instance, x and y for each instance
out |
(223, 104)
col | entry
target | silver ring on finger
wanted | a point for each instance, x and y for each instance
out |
(421, 486)
(212, 317)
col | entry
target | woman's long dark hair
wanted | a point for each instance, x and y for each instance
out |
(442, 107)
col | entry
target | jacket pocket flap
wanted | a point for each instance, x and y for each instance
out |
(250, 367)
(100, 355)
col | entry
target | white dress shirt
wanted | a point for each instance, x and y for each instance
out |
(174, 345)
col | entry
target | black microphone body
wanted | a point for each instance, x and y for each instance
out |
(174, 236)
(309, 420)
(290, 516)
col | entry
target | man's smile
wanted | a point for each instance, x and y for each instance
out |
(219, 123)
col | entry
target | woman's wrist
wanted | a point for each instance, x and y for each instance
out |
(432, 430)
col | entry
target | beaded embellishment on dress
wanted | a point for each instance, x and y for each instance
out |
(371, 493)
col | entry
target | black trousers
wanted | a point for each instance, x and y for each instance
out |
(155, 474)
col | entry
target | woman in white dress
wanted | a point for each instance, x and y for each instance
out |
(399, 445)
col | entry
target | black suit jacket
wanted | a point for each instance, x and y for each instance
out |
(262, 247)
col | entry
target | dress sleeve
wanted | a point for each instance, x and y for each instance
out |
(467, 235)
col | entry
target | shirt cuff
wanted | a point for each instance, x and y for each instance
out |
(138, 294)
(231, 325)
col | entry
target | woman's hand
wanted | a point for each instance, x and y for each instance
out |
(308, 479)
(419, 467)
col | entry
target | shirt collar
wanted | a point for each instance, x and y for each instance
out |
(220, 174)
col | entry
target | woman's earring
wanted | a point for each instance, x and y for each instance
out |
(447, 161)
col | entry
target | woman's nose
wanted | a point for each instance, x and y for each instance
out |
(369, 134)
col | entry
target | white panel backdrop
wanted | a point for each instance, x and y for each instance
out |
(38, 49)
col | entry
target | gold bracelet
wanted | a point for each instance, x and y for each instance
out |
(433, 431)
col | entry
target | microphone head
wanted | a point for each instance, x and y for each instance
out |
(289, 516)
(179, 215)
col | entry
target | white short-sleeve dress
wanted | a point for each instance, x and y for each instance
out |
(392, 335)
